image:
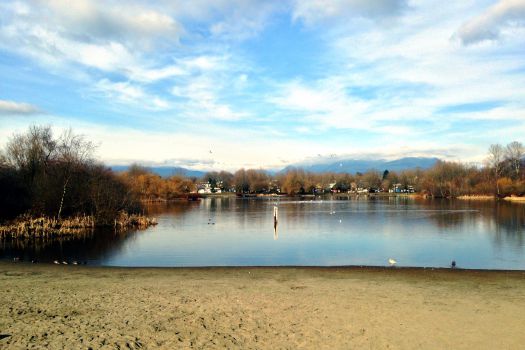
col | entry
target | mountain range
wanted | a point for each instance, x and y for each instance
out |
(165, 171)
(336, 166)
(362, 165)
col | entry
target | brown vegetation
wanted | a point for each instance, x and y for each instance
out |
(27, 226)
(150, 187)
(502, 175)
(47, 227)
(58, 186)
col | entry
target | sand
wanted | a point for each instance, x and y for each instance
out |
(47, 306)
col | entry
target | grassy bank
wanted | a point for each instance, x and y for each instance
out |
(80, 307)
(477, 197)
(515, 199)
(43, 227)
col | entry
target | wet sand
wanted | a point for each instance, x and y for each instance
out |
(47, 306)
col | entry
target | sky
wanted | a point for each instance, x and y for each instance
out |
(216, 84)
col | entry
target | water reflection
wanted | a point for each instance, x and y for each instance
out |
(320, 231)
(90, 247)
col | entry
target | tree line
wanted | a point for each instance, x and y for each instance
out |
(57, 176)
(502, 174)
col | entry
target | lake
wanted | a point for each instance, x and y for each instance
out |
(229, 231)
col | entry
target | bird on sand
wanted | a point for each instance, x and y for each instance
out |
(56, 262)
(453, 264)
(392, 262)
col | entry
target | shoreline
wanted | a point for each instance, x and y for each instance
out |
(259, 307)
(515, 199)
(411, 269)
(477, 197)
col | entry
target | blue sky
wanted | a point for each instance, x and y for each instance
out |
(266, 83)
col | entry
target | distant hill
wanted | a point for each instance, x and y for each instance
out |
(340, 166)
(164, 171)
(362, 165)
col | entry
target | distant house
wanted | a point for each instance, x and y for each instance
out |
(399, 188)
(273, 187)
(204, 187)
(332, 188)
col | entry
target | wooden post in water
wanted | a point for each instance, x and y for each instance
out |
(275, 219)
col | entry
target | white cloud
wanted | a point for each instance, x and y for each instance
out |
(202, 102)
(17, 108)
(227, 19)
(416, 69)
(95, 34)
(324, 104)
(489, 24)
(102, 21)
(127, 93)
(312, 11)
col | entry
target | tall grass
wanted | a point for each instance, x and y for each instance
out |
(42, 227)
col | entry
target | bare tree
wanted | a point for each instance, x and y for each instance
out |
(241, 181)
(495, 161)
(514, 154)
(31, 152)
(73, 151)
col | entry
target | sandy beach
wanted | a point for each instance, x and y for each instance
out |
(46, 306)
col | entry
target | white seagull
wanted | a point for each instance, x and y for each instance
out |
(392, 262)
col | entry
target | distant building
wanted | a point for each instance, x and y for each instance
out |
(204, 187)
(399, 188)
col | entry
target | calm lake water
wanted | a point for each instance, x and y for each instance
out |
(364, 231)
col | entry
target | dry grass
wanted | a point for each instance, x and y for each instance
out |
(126, 220)
(43, 227)
(478, 197)
(515, 199)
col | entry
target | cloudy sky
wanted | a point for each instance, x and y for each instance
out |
(223, 84)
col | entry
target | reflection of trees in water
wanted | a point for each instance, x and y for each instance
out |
(252, 211)
(510, 223)
(503, 219)
(90, 246)
(172, 208)
(450, 213)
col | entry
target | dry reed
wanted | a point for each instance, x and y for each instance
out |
(46, 227)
